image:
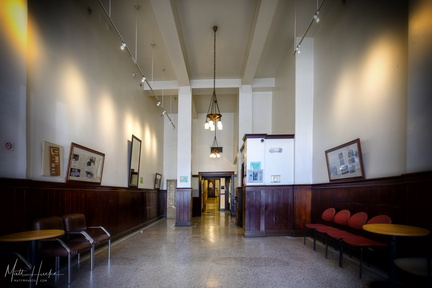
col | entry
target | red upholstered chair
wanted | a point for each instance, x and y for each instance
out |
(355, 222)
(76, 224)
(59, 247)
(340, 220)
(327, 217)
(363, 242)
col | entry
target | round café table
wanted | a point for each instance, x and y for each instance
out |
(395, 230)
(32, 236)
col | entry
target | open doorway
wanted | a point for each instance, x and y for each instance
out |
(215, 189)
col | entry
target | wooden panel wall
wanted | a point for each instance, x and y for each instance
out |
(239, 206)
(183, 206)
(302, 208)
(268, 210)
(119, 209)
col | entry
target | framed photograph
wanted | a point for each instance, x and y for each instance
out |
(157, 182)
(345, 161)
(85, 164)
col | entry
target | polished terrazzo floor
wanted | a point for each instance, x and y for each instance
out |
(213, 253)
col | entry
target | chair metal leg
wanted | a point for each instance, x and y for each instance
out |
(326, 242)
(109, 249)
(361, 262)
(18, 255)
(27, 263)
(92, 258)
(69, 267)
(314, 239)
(429, 270)
(304, 236)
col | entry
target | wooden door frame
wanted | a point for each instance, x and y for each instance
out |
(215, 175)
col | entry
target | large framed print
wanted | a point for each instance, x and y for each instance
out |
(85, 164)
(345, 161)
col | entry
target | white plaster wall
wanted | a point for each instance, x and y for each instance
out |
(80, 89)
(261, 112)
(202, 140)
(361, 85)
(419, 138)
(283, 104)
(170, 151)
(13, 45)
(272, 161)
(279, 163)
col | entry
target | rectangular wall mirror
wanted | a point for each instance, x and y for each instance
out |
(135, 157)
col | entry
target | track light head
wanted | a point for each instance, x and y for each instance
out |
(123, 46)
(316, 17)
(143, 79)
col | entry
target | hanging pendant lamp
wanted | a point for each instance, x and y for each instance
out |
(214, 117)
(215, 150)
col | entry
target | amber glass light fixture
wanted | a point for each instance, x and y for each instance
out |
(215, 150)
(214, 117)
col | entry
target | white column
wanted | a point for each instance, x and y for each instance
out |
(244, 121)
(304, 91)
(184, 138)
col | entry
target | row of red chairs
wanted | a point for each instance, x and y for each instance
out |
(78, 238)
(346, 229)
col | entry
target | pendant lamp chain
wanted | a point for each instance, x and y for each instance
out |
(214, 117)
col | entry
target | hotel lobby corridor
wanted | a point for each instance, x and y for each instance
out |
(213, 253)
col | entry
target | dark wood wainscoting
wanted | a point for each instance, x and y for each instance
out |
(275, 210)
(183, 206)
(119, 209)
(406, 198)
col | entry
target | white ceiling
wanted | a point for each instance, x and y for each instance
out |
(172, 41)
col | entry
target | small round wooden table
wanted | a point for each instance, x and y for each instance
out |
(32, 236)
(395, 230)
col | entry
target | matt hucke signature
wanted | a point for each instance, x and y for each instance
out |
(21, 275)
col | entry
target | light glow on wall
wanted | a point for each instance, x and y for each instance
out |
(378, 65)
(420, 19)
(107, 114)
(344, 92)
(367, 80)
(72, 89)
(147, 141)
(13, 19)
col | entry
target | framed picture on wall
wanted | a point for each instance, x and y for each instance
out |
(157, 182)
(345, 161)
(52, 159)
(85, 164)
